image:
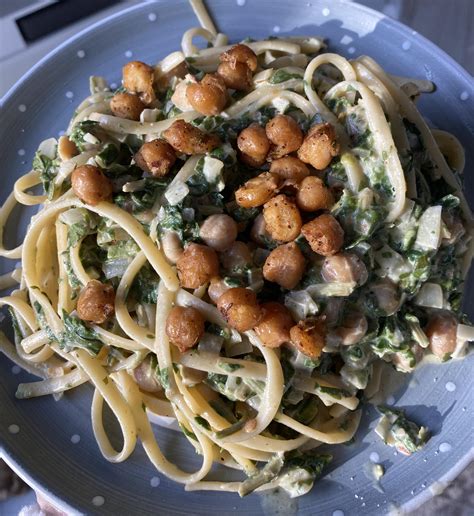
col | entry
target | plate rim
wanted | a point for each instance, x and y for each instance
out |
(424, 495)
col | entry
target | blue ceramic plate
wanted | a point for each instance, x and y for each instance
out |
(51, 443)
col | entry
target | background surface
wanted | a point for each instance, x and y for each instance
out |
(448, 23)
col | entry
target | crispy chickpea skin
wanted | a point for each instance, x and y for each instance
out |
(285, 265)
(441, 332)
(188, 139)
(258, 190)
(313, 195)
(285, 135)
(126, 105)
(96, 302)
(344, 268)
(282, 218)
(91, 185)
(219, 231)
(309, 337)
(253, 145)
(197, 265)
(324, 234)
(184, 327)
(236, 255)
(236, 76)
(156, 157)
(275, 324)
(290, 167)
(240, 54)
(240, 308)
(209, 96)
(138, 77)
(319, 146)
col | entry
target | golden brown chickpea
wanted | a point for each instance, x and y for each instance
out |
(237, 76)
(197, 265)
(91, 185)
(285, 265)
(240, 54)
(66, 148)
(275, 324)
(387, 295)
(285, 135)
(238, 255)
(126, 105)
(219, 231)
(209, 96)
(216, 288)
(96, 302)
(319, 146)
(240, 308)
(344, 268)
(312, 195)
(282, 218)
(441, 332)
(253, 145)
(184, 327)
(156, 157)
(289, 168)
(352, 329)
(309, 337)
(324, 234)
(258, 190)
(188, 139)
(138, 78)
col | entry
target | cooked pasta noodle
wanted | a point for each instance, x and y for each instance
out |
(353, 242)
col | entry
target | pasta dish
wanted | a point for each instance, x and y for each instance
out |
(242, 239)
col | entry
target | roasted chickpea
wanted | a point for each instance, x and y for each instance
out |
(209, 96)
(275, 324)
(145, 377)
(259, 233)
(126, 105)
(240, 308)
(344, 268)
(216, 288)
(162, 80)
(319, 146)
(282, 218)
(91, 185)
(156, 157)
(96, 302)
(289, 168)
(237, 76)
(387, 295)
(240, 54)
(313, 195)
(309, 337)
(66, 148)
(253, 145)
(441, 332)
(197, 265)
(184, 327)
(353, 328)
(171, 245)
(285, 265)
(138, 78)
(285, 135)
(258, 190)
(237, 255)
(324, 234)
(219, 231)
(188, 139)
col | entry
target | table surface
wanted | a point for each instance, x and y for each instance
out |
(449, 24)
